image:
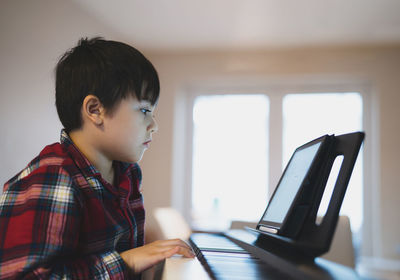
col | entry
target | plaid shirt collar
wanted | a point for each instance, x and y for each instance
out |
(88, 170)
(80, 160)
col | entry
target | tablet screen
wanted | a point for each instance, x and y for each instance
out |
(290, 183)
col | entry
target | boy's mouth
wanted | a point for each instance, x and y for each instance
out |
(147, 143)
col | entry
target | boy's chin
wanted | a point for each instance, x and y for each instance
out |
(134, 159)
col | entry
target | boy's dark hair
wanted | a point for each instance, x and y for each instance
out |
(107, 69)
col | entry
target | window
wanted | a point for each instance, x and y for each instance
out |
(230, 167)
(240, 143)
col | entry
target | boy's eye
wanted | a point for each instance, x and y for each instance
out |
(145, 111)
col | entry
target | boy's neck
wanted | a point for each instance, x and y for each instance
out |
(95, 157)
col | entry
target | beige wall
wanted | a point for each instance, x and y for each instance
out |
(34, 33)
(378, 67)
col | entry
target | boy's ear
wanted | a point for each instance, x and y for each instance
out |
(93, 110)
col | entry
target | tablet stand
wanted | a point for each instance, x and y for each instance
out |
(314, 240)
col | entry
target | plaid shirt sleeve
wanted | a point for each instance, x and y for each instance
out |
(39, 230)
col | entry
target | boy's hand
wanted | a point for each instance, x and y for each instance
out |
(141, 258)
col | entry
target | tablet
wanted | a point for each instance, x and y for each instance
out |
(286, 201)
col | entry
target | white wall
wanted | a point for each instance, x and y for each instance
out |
(34, 34)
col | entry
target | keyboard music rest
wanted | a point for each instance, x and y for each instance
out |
(315, 269)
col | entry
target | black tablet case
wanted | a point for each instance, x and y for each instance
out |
(299, 235)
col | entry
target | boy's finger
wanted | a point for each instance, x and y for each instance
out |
(171, 252)
(186, 252)
(178, 242)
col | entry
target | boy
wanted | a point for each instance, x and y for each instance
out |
(76, 211)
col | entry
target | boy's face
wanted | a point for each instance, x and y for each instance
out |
(128, 130)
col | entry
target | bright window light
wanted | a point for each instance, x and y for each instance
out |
(230, 166)
(308, 116)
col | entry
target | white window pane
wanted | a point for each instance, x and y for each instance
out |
(230, 171)
(307, 116)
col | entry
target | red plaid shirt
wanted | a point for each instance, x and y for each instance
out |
(59, 219)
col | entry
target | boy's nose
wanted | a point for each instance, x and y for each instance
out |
(153, 127)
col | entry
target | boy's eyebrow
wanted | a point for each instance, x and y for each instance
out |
(146, 103)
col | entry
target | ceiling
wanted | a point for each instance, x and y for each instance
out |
(248, 24)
